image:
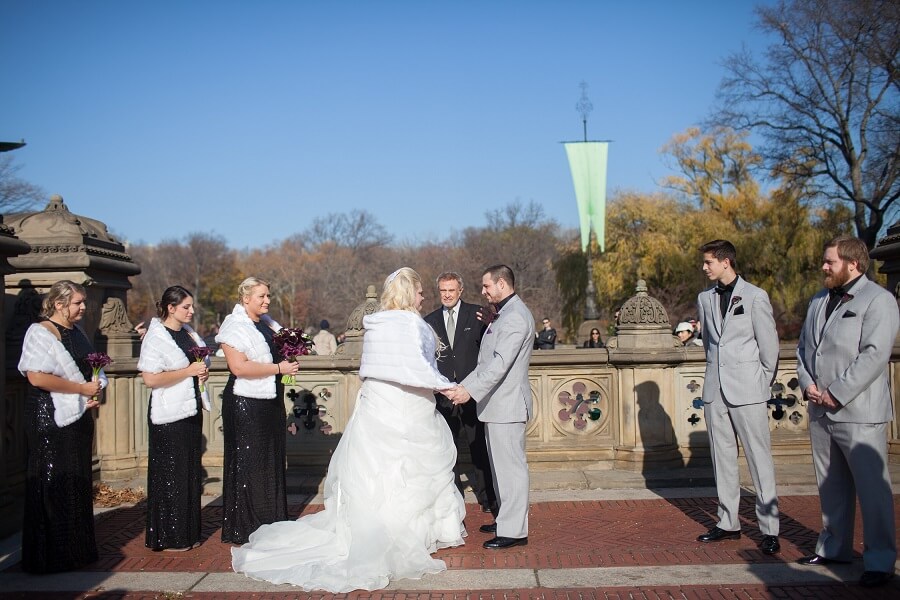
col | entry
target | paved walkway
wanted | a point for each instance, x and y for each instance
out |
(594, 534)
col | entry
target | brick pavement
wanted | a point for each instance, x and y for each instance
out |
(634, 535)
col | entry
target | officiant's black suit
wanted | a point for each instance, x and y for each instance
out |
(455, 364)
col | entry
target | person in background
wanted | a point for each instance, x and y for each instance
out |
(175, 443)
(58, 524)
(546, 337)
(324, 342)
(253, 416)
(685, 333)
(458, 357)
(594, 341)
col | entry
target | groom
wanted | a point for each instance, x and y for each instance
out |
(500, 387)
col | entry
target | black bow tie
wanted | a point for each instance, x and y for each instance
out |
(838, 291)
(723, 289)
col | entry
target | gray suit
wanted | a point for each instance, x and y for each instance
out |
(848, 355)
(741, 358)
(500, 386)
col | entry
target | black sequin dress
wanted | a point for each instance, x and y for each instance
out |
(253, 487)
(58, 527)
(174, 472)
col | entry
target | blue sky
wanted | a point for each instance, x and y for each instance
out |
(249, 119)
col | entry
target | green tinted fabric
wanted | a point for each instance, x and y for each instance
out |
(587, 161)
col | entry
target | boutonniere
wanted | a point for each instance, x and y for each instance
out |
(735, 300)
(846, 298)
(487, 314)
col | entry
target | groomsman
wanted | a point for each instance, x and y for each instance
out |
(502, 392)
(741, 346)
(460, 331)
(842, 359)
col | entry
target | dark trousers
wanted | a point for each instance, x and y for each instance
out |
(462, 418)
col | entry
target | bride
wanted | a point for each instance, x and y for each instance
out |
(390, 497)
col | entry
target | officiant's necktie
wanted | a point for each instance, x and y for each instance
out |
(451, 326)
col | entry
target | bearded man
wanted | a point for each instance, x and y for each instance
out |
(842, 360)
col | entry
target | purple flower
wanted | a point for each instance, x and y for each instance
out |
(292, 343)
(735, 300)
(846, 298)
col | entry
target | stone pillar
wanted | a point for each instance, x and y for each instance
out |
(11, 443)
(352, 346)
(887, 250)
(69, 246)
(644, 350)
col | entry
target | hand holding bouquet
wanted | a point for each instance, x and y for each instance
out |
(200, 353)
(97, 360)
(292, 343)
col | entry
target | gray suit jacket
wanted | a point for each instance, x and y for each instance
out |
(499, 384)
(742, 348)
(849, 353)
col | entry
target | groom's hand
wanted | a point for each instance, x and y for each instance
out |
(460, 395)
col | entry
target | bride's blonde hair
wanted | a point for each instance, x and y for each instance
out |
(399, 292)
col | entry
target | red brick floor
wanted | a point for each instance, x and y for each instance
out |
(562, 535)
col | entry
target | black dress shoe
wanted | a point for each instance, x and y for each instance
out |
(770, 544)
(874, 578)
(489, 528)
(716, 535)
(505, 542)
(818, 561)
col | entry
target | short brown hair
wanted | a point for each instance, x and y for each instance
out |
(850, 249)
(498, 272)
(721, 249)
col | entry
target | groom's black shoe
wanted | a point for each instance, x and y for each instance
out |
(716, 535)
(489, 528)
(499, 543)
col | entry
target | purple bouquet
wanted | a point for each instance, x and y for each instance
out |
(292, 343)
(200, 353)
(97, 360)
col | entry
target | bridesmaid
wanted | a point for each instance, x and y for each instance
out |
(174, 472)
(58, 528)
(253, 416)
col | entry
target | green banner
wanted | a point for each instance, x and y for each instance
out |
(587, 161)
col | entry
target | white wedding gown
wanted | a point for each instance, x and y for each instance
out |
(390, 496)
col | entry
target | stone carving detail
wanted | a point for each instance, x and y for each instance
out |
(642, 309)
(352, 345)
(584, 409)
(307, 411)
(787, 407)
(114, 318)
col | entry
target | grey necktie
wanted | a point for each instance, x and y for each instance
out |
(451, 326)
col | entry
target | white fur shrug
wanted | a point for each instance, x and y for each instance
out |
(399, 347)
(43, 353)
(239, 332)
(160, 353)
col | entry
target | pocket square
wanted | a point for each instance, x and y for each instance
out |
(849, 314)
(739, 310)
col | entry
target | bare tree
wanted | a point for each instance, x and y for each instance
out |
(357, 230)
(827, 101)
(16, 194)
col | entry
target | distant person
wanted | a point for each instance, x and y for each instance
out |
(741, 346)
(685, 333)
(546, 338)
(594, 341)
(458, 357)
(341, 338)
(842, 364)
(324, 342)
